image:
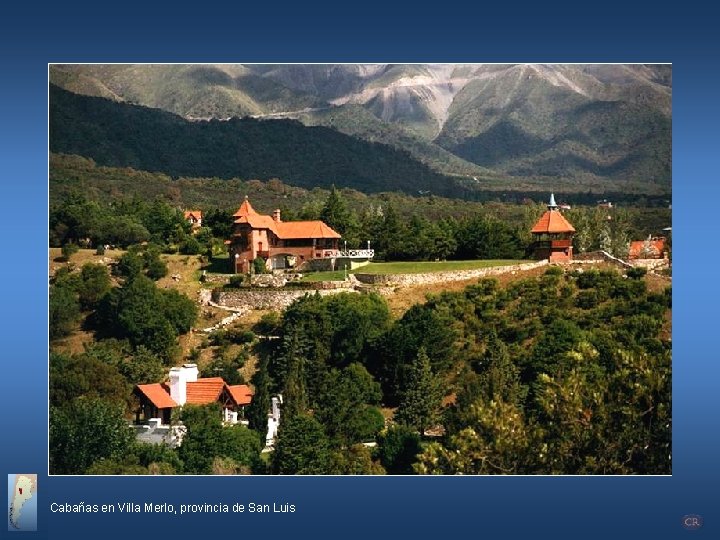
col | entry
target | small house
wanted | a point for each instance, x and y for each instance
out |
(194, 218)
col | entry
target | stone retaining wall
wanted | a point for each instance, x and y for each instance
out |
(275, 299)
(444, 277)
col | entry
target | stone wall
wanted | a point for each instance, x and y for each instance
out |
(444, 277)
(266, 299)
(651, 264)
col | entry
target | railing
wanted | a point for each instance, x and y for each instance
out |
(357, 253)
(347, 254)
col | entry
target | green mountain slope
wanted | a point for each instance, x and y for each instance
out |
(118, 134)
(604, 126)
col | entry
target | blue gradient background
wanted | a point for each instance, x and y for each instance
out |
(479, 507)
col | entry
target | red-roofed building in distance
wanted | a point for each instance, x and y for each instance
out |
(194, 218)
(652, 248)
(552, 235)
(283, 244)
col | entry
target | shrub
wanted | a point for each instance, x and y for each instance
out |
(554, 271)
(236, 281)
(637, 272)
(259, 266)
(586, 299)
(268, 324)
(190, 246)
(68, 250)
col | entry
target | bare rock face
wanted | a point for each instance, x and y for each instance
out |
(557, 120)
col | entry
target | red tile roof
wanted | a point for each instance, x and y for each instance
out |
(241, 393)
(647, 249)
(196, 214)
(200, 392)
(204, 391)
(304, 229)
(552, 221)
(285, 230)
(158, 395)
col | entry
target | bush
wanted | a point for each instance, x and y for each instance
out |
(637, 272)
(190, 246)
(156, 268)
(100, 249)
(68, 250)
(236, 281)
(259, 266)
(94, 285)
(64, 311)
(398, 449)
(554, 271)
(269, 324)
(586, 299)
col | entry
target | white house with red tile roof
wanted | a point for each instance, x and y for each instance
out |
(194, 218)
(157, 400)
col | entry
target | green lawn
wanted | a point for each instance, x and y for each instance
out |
(409, 268)
(429, 266)
(338, 275)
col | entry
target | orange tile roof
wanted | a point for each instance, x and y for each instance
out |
(257, 221)
(196, 214)
(552, 221)
(285, 230)
(158, 395)
(245, 209)
(241, 393)
(204, 391)
(304, 229)
(654, 248)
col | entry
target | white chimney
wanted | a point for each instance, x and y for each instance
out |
(276, 215)
(275, 409)
(178, 390)
(191, 372)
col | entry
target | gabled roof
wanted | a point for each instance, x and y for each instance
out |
(304, 229)
(195, 214)
(257, 221)
(158, 395)
(204, 391)
(241, 394)
(552, 221)
(649, 249)
(285, 230)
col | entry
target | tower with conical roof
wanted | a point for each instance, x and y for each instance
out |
(552, 235)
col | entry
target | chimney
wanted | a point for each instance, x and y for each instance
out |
(275, 409)
(191, 372)
(276, 215)
(178, 390)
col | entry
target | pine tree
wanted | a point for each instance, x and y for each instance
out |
(258, 409)
(420, 400)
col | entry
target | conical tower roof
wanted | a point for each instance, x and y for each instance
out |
(552, 204)
(552, 221)
(245, 209)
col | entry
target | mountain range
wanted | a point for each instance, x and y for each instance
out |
(605, 126)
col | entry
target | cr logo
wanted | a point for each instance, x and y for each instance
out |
(692, 522)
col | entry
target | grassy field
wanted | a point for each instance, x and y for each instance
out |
(338, 275)
(429, 266)
(410, 268)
